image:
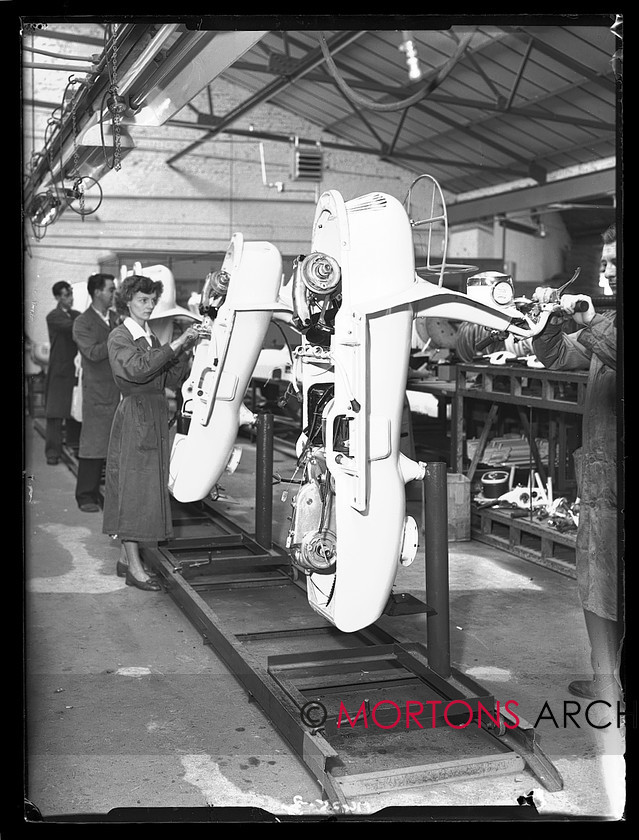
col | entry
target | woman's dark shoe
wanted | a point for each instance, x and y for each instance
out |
(121, 570)
(89, 507)
(149, 585)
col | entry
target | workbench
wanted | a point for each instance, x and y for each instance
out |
(444, 391)
(561, 393)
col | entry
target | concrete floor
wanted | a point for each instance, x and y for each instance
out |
(126, 708)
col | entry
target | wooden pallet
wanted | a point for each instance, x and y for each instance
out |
(530, 539)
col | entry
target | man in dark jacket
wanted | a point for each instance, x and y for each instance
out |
(100, 395)
(593, 347)
(60, 374)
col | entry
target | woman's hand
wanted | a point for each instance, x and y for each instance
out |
(186, 340)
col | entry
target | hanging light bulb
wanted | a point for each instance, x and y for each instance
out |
(408, 46)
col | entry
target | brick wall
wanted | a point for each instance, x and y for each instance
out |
(195, 206)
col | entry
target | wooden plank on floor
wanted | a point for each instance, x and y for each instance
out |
(363, 784)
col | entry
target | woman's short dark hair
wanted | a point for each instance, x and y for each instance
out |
(132, 284)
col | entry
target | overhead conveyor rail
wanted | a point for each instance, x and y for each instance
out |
(242, 594)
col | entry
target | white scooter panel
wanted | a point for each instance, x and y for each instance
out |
(223, 364)
(370, 239)
(349, 530)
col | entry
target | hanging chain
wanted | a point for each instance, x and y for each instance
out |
(39, 232)
(76, 160)
(115, 106)
(48, 152)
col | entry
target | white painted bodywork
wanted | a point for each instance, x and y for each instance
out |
(222, 367)
(368, 533)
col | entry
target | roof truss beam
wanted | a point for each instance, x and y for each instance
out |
(528, 111)
(564, 190)
(486, 141)
(312, 60)
(562, 58)
(205, 119)
(520, 73)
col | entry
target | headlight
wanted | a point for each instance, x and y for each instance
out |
(503, 293)
(489, 285)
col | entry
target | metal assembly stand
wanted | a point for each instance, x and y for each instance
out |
(435, 518)
(305, 688)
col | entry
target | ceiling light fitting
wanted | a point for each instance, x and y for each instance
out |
(44, 209)
(412, 60)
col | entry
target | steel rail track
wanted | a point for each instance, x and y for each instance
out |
(211, 555)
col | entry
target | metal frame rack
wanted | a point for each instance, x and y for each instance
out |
(561, 393)
(299, 690)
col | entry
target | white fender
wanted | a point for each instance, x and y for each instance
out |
(222, 368)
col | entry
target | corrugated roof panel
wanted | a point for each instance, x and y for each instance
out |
(566, 74)
(377, 58)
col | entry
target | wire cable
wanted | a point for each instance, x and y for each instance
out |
(88, 59)
(424, 91)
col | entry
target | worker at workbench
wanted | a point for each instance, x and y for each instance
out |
(593, 347)
(470, 336)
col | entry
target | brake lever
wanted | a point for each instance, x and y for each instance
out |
(546, 314)
(561, 289)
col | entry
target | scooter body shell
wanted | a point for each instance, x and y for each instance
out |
(371, 240)
(365, 535)
(222, 368)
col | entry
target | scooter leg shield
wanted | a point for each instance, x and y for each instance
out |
(371, 240)
(221, 373)
(369, 541)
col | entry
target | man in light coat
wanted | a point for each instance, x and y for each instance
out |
(100, 395)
